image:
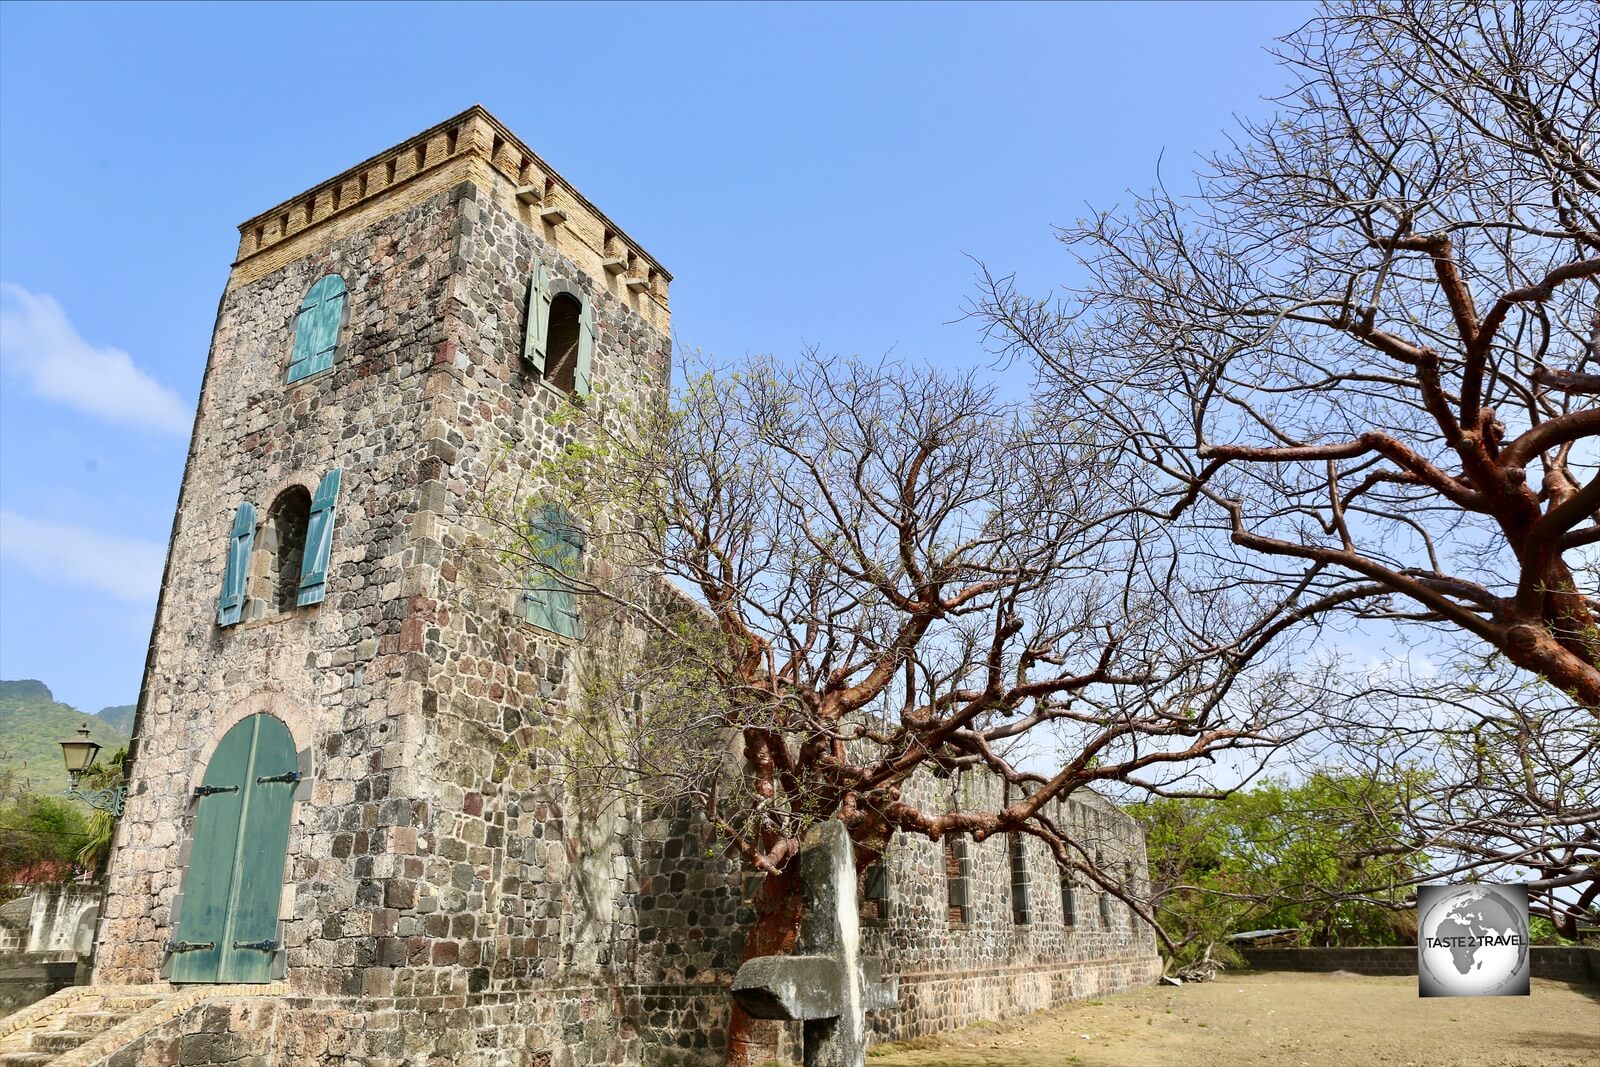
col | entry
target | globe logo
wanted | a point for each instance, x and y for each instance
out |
(1472, 941)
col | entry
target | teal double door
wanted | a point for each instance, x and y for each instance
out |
(228, 924)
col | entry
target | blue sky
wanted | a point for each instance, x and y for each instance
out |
(811, 175)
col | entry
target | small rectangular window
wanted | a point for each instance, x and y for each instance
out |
(875, 891)
(1021, 902)
(1069, 911)
(956, 872)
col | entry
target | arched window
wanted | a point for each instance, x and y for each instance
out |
(556, 545)
(559, 338)
(316, 328)
(285, 565)
(283, 548)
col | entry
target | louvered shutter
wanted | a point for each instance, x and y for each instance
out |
(231, 606)
(316, 331)
(538, 324)
(549, 601)
(582, 377)
(570, 549)
(319, 541)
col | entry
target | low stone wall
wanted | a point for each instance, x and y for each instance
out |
(30, 977)
(1561, 964)
(934, 1002)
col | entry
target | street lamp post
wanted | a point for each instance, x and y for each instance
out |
(79, 754)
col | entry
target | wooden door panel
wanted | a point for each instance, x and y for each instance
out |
(202, 925)
(228, 929)
(263, 848)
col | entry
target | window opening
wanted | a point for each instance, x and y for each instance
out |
(561, 347)
(283, 544)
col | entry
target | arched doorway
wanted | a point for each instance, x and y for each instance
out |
(228, 926)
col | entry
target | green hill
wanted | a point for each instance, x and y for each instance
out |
(32, 725)
(120, 716)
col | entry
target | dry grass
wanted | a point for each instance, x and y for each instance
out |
(1282, 1020)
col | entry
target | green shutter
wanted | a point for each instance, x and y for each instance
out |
(549, 601)
(231, 607)
(537, 330)
(583, 374)
(319, 541)
(536, 599)
(316, 329)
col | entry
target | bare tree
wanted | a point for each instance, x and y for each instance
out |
(1367, 347)
(872, 571)
(1501, 782)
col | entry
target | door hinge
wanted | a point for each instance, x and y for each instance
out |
(259, 946)
(189, 946)
(208, 790)
(286, 776)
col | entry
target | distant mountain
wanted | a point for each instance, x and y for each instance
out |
(120, 716)
(33, 724)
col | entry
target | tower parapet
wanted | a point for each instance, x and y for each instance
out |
(472, 146)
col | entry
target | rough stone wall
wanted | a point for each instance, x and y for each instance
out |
(528, 890)
(1562, 963)
(991, 966)
(950, 974)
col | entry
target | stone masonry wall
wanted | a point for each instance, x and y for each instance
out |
(1562, 963)
(950, 975)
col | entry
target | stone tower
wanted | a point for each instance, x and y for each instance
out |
(314, 799)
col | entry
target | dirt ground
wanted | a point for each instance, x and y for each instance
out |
(1282, 1020)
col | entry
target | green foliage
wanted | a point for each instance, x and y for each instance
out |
(102, 826)
(40, 838)
(1311, 857)
(32, 725)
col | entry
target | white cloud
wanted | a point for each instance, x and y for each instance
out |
(38, 343)
(128, 568)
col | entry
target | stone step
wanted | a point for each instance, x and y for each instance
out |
(93, 1022)
(128, 1005)
(25, 1059)
(58, 1041)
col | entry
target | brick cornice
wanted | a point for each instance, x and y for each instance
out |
(471, 143)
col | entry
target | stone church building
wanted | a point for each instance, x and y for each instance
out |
(326, 854)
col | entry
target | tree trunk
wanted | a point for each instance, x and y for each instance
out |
(775, 931)
(1531, 647)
